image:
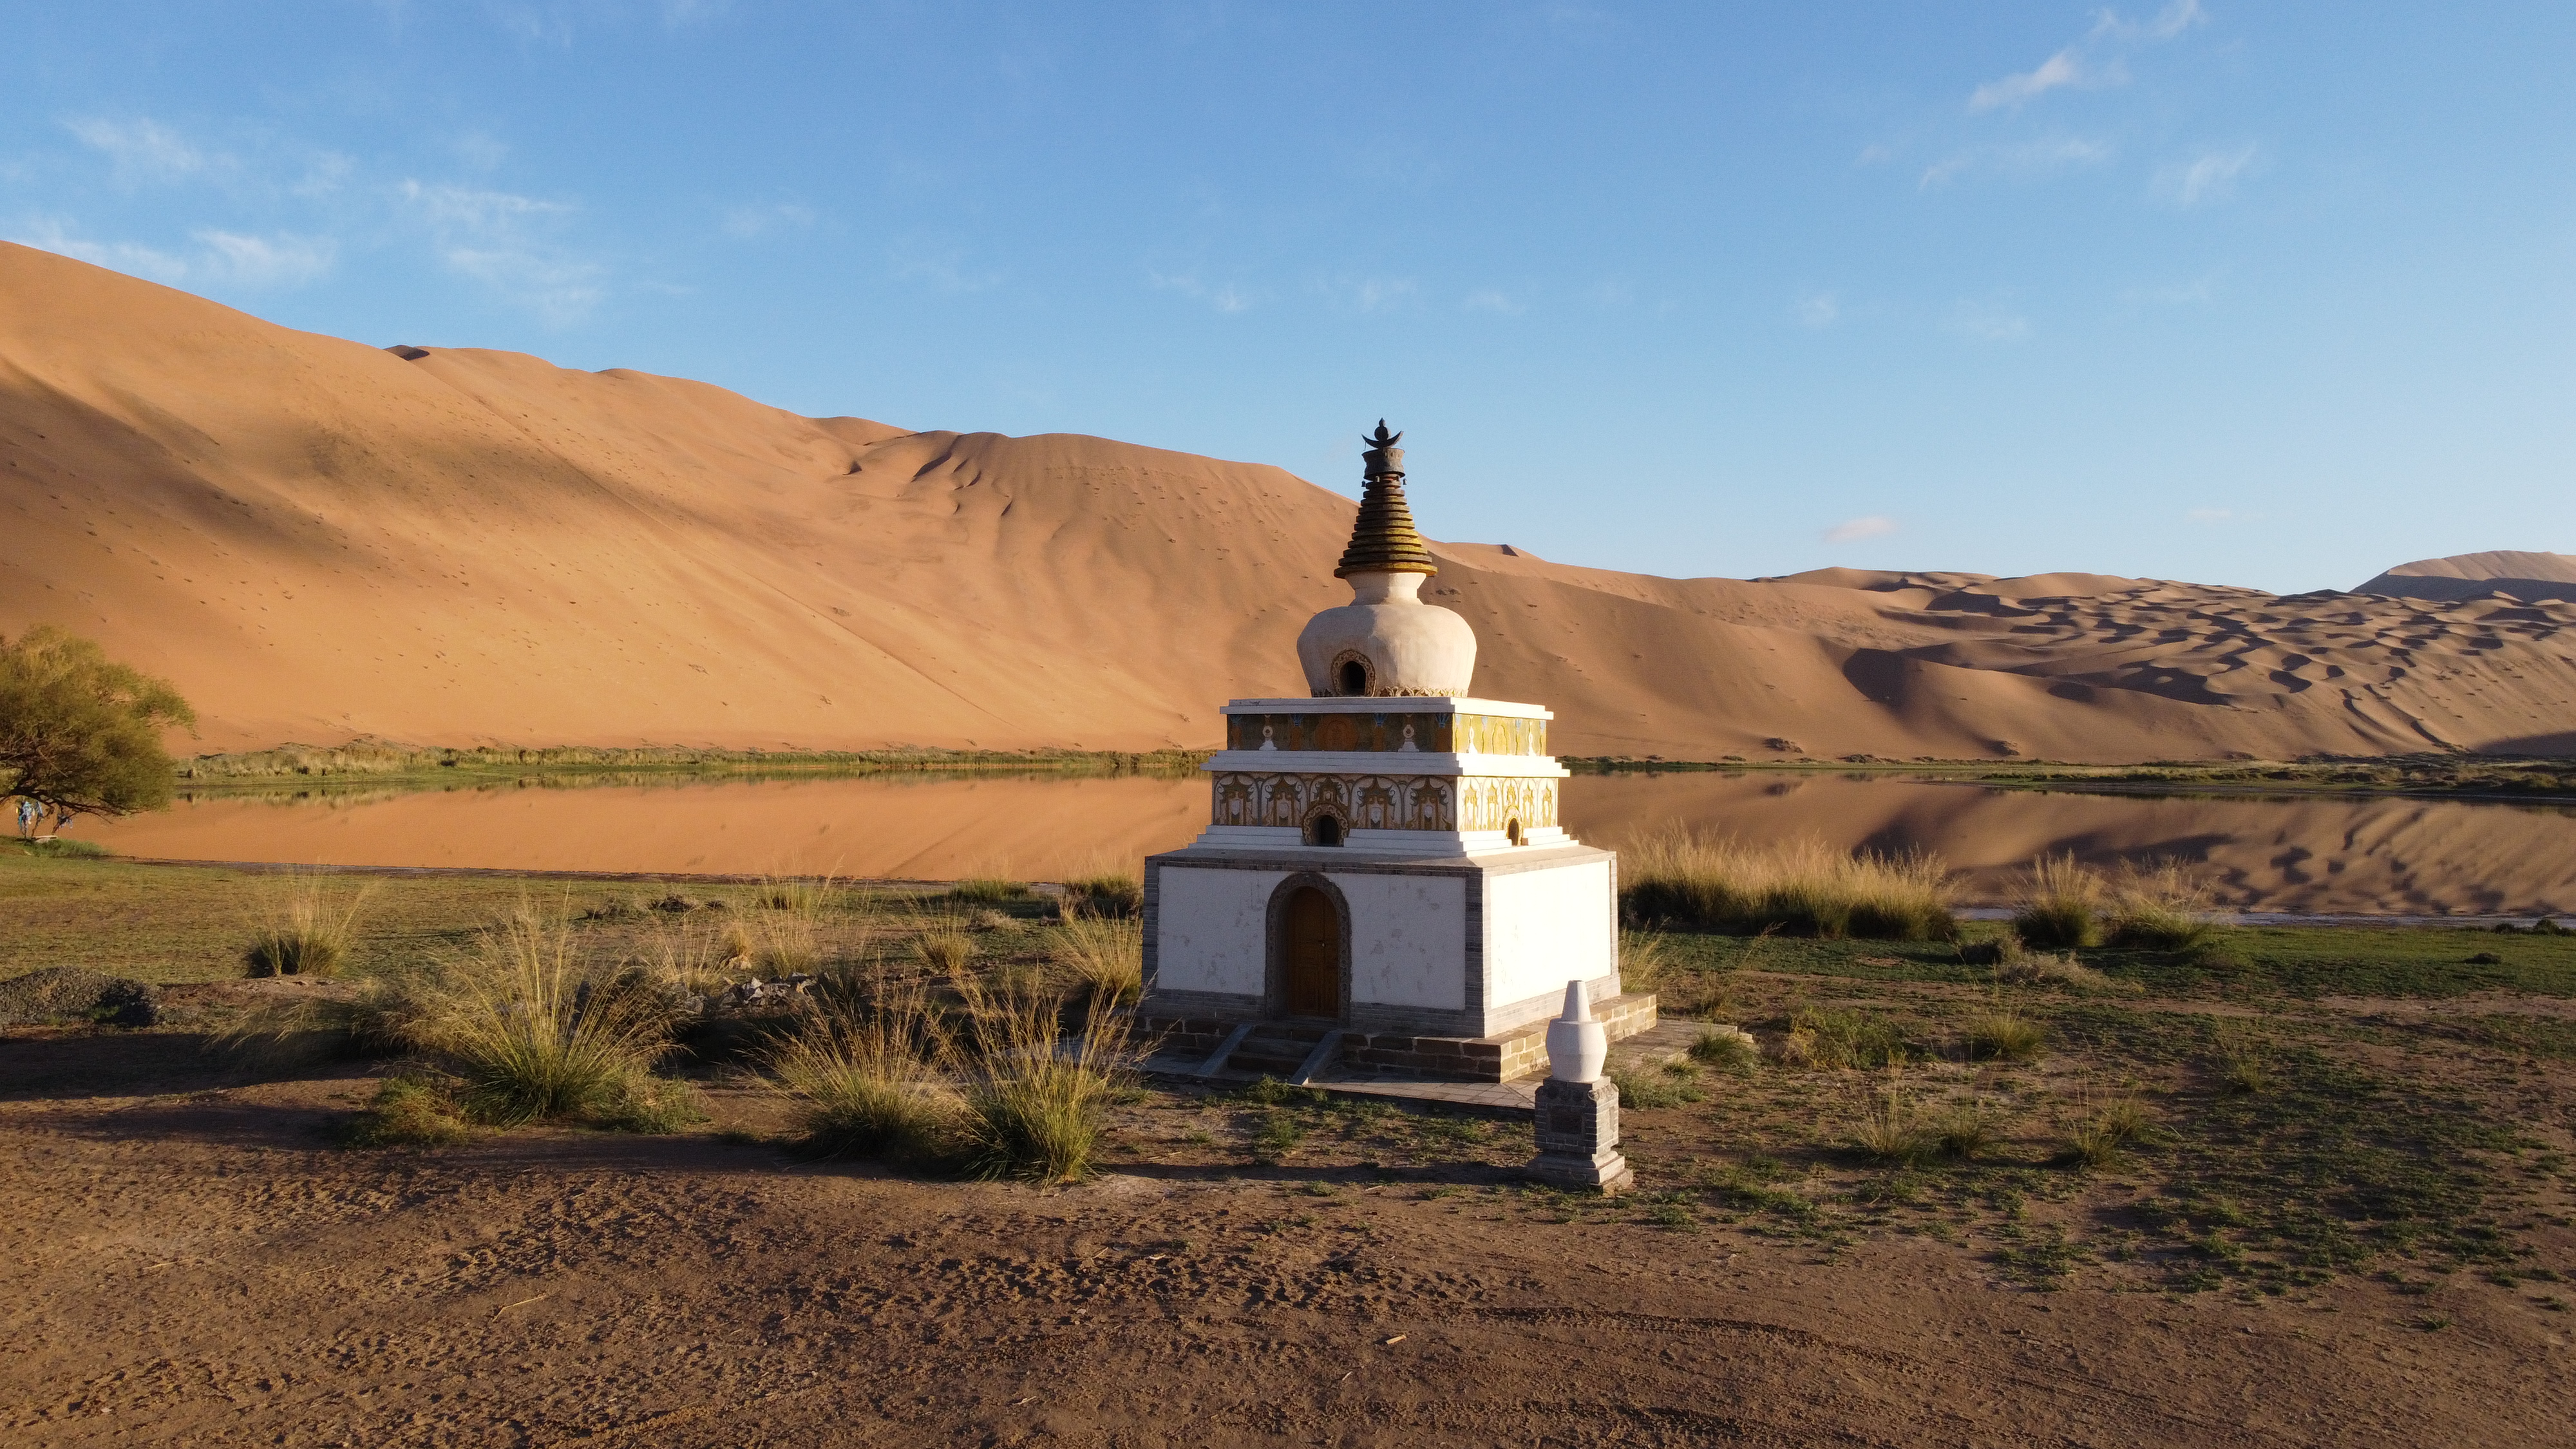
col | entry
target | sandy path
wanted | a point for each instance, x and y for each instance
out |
(194, 1267)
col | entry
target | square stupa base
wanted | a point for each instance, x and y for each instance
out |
(1578, 1136)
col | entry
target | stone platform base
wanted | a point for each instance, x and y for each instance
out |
(1278, 1048)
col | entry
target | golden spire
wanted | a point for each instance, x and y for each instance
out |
(1383, 540)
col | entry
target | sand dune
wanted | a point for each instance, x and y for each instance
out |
(2506, 573)
(320, 539)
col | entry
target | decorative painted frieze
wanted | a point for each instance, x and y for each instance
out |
(1396, 732)
(1383, 802)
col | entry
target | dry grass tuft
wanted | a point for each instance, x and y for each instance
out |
(1729, 1050)
(986, 890)
(1890, 1129)
(1036, 1099)
(2044, 968)
(2000, 1033)
(943, 945)
(1966, 1129)
(867, 1082)
(1805, 887)
(1106, 953)
(1824, 1038)
(2061, 904)
(2097, 1140)
(2159, 907)
(309, 929)
(411, 1111)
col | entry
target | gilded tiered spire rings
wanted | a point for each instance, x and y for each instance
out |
(1383, 539)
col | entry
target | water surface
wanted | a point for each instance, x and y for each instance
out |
(2322, 854)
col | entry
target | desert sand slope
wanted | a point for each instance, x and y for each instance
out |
(319, 539)
(2502, 572)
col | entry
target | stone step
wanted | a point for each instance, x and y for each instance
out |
(1279, 1049)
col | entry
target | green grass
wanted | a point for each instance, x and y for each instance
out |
(411, 1111)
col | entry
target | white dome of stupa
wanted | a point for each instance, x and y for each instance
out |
(1386, 641)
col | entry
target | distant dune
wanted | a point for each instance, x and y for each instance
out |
(319, 539)
(2504, 573)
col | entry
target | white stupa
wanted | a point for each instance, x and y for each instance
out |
(1383, 881)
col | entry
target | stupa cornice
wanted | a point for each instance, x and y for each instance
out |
(1381, 762)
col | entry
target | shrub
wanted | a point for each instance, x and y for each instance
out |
(1803, 886)
(1035, 1103)
(411, 1111)
(2001, 950)
(1890, 1130)
(1821, 1038)
(1107, 953)
(2159, 907)
(987, 889)
(2061, 904)
(308, 931)
(1727, 1050)
(2003, 1034)
(868, 1084)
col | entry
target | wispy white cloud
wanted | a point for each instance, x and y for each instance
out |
(749, 223)
(2077, 68)
(2208, 177)
(2165, 24)
(499, 239)
(2210, 515)
(1821, 309)
(143, 149)
(1988, 322)
(219, 258)
(2065, 68)
(1370, 294)
(1869, 525)
(1491, 300)
(940, 268)
(2026, 161)
(1223, 297)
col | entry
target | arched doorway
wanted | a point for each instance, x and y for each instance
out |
(1313, 979)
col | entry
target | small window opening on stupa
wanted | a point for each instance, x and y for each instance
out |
(1354, 678)
(1326, 830)
(1512, 831)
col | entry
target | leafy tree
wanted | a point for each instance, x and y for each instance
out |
(80, 734)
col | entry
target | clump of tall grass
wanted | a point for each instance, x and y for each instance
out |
(1966, 1129)
(1105, 891)
(988, 889)
(2000, 1033)
(534, 1033)
(2061, 904)
(1804, 887)
(2159, 907)
(2099, 1137)
(1037, 1100)
(1727, 1049)
(1822, 1038)
(1890, 1128)
(1106, 953)
(867, 1082)
(308, 931)
(943, 945)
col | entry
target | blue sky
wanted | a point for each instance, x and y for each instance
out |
(2273, 295)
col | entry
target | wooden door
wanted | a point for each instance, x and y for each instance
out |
(1314, 954)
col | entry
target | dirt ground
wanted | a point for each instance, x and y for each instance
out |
(191, 1259)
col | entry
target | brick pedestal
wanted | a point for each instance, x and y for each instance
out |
(1578, 1136)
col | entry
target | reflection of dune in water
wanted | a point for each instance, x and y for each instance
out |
(2319, 854)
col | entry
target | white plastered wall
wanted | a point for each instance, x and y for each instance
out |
(1212, 929)
(1544, 928)
(1408, 940)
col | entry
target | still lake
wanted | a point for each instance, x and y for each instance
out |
(2308, 854)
